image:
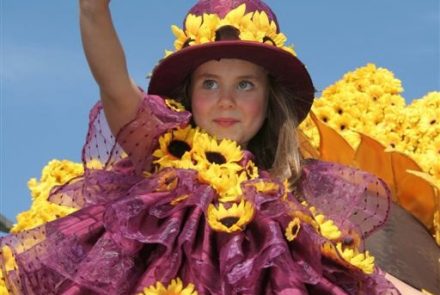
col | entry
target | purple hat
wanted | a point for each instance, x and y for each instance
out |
(243, 29)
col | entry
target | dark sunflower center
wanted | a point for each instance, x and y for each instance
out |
(266, 38)
(178, 147)
(229, 221)
(187, 42)
(214, 157)
(295, 229)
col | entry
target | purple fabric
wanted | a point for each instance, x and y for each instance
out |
(222, 7)
(349, 196)
(127, 235)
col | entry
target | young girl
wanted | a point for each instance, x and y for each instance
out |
(216, 201)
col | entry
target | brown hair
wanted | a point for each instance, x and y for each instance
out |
(275, 146)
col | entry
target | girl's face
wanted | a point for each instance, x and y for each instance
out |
(229, 98)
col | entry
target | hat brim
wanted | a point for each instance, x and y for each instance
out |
(288, 70)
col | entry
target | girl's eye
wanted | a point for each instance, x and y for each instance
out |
(210, 84)
(245, 85)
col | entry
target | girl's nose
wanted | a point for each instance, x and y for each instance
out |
(226, 98)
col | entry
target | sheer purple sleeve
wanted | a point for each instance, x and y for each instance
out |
(136, 140)
(351, 197)
(113, 165)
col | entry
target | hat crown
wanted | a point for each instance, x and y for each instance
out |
(222, 7)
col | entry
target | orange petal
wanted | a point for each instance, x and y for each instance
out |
(414, 193)
(371, 157)
(332, 146)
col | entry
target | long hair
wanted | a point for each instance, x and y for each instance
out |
(275, 146)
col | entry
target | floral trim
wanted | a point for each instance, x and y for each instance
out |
(362, 260)
(342, 247)
(174, 288)
(218, 163)
(253, 26)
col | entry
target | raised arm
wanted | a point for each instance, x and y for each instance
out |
(119, 95)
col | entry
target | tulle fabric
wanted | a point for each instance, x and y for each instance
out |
(130, 231)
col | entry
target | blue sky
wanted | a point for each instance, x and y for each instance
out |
(47, 90)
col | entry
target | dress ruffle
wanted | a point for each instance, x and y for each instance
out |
(132, 230)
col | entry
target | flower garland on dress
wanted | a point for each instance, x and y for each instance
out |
(253, 26)
(223, 166)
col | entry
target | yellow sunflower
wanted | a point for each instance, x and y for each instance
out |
(363, 261)
(226, 181)
(292, 229)
(174, 105)
(265, 186)
(173, 146)
(230, 218)
(327, 227)
(174, 288)
(348, 256)
(251, 170)
(253, 26)
(208, 149)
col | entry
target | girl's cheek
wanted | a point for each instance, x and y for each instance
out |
(200, 105)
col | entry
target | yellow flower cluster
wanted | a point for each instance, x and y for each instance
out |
(218, 164)
(368, 101)
(55, 173)
(253, 26)
(174, 288)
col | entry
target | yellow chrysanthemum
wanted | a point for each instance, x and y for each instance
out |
(230, 218)
(292, 229)
(174, 288)
(363, 261)
(368, 101)
(173, 146)
(55, 173)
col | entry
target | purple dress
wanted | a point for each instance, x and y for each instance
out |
(134, 229)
